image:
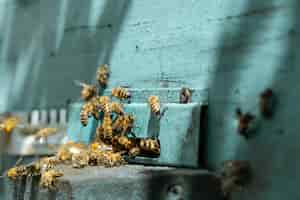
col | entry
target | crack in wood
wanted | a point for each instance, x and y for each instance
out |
(86, 27)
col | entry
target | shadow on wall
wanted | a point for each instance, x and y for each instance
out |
(261, 53)
(54, 43)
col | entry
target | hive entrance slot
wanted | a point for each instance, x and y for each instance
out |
(178, 128)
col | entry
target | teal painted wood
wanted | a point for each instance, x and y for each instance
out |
(126, 182)
(76, 132)
(178, 129)
(236, 48)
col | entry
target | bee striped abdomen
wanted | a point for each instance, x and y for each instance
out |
(121, 93)
(150, 145)
(102, 75)
(154, 104)
(107, 127)
(85, 112)
(88, 92)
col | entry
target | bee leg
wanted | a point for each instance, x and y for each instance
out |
(132, 134)
(19, 161)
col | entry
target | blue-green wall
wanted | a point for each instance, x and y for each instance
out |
(236, 48)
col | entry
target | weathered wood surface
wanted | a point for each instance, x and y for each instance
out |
(125, 182)
(236, 48)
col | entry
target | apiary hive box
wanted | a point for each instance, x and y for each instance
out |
(126, 182)
(178, 129)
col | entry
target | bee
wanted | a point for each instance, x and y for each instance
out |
(47, 163)
(49, 178)
(154, 104)
(96, 157)
(81, 159)
(112, 159)
(121, 143)
(239, 168)
(246, 123)
(117, 108)
(123, 124)
(66, 151)
(120, 93)
(45, 132)
(117, 125)
(230, 185)
(128, 123)
(135, 151)
(267, 103)
(33, 169)
(102, 75)
(150, 146)
(99, 146)
(85, 112)
(107, 127)
(185, 95)
(104, 104)
(17, 171)
(9, 124)
(99, 134)
(235, 175)
(88, 91)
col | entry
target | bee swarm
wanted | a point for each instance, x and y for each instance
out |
(112, 142)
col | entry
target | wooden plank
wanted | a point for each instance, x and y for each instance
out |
(133, 182)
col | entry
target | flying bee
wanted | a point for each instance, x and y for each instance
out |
(150, 146)
(88, 91)
(9, 124)
(246, 123)
(86, 110)
(117, 108)
(49, 178)
(239, 168)
(230, 185)
(102, 75)
(17, 171)
(120, 93)
(107, 127)
(235, 175)
(112, 159)
(154, 104)
(267, 103)
(81, 159)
